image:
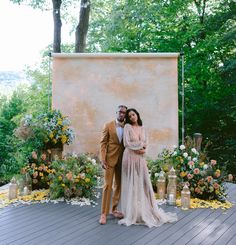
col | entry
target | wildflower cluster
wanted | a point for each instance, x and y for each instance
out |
(56, 128)
(39, 169)
(74, 176)
(204, 178)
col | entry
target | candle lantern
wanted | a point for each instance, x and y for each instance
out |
(21, 184)
(171, 187)
(185, 198)
(161, 185)
(13, 189)
(28, 183)
(197, 141)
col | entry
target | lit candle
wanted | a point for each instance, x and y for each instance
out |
(171, 198)
(26, 190)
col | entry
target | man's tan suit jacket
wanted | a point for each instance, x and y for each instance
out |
(111, 148)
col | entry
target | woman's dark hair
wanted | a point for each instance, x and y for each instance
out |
(127, 120)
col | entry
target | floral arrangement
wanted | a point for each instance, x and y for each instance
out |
(56, 127)
(39, 169)
(74, 176)
(47, 130)
(203, 177)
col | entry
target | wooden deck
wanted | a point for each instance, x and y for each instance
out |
(70, 224)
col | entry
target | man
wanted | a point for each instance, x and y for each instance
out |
(111, 151)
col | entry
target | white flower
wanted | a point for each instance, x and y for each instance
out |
(194, 151)
(174, 146)
(156, 175)
(185, 154)
(93, 161)
(189, 158)
(74, 154)
(182, 147)
(205, 166)
(174, 153)
(194, 159)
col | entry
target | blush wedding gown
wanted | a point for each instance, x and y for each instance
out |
(138, 203)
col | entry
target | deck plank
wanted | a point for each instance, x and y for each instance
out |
(62, 224)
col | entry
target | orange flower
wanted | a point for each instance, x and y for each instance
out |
(69, 176)
(44, 157)
(209, 179)
(216, 186)
(196, 171)
(217, 174)
(189, 176)
(35, 174)
(213, 162)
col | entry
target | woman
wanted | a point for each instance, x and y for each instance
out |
(137, 197)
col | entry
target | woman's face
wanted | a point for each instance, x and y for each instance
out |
(133, 117)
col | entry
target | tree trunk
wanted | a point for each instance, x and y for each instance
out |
(57, 25)
(82, 27)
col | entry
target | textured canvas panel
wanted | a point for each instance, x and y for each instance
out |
(88, 87)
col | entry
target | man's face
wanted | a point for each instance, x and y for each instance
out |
(120, 114)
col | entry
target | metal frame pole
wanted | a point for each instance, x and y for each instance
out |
(49, 81)
(182, 76)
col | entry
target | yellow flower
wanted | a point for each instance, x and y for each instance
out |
(183, 174)
(87, 180)
(41, 174)
(63, 185)
(63, 139)
(64, 128)
(59, 122)
(54, 141)
(59, 178)
(51, 135)
(201, 164)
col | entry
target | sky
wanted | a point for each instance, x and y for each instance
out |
(24, 32)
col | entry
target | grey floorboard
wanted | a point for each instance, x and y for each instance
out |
(62, 224)
(232, 240)
(47, 225)
(221, 229)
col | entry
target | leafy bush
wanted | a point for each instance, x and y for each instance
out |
(39, 169)
(74, 176)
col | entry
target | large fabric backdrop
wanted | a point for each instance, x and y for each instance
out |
(88, 88)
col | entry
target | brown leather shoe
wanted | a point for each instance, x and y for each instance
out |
(103, 219)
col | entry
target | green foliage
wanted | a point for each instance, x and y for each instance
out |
(32, 99)
(74, 176)
(206, 34)
(8, 145)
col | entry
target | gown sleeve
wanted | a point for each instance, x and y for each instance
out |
(128, 142)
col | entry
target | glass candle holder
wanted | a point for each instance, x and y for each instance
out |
(171, 187)
(13, 189)
(161, 186)
(185, 198)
